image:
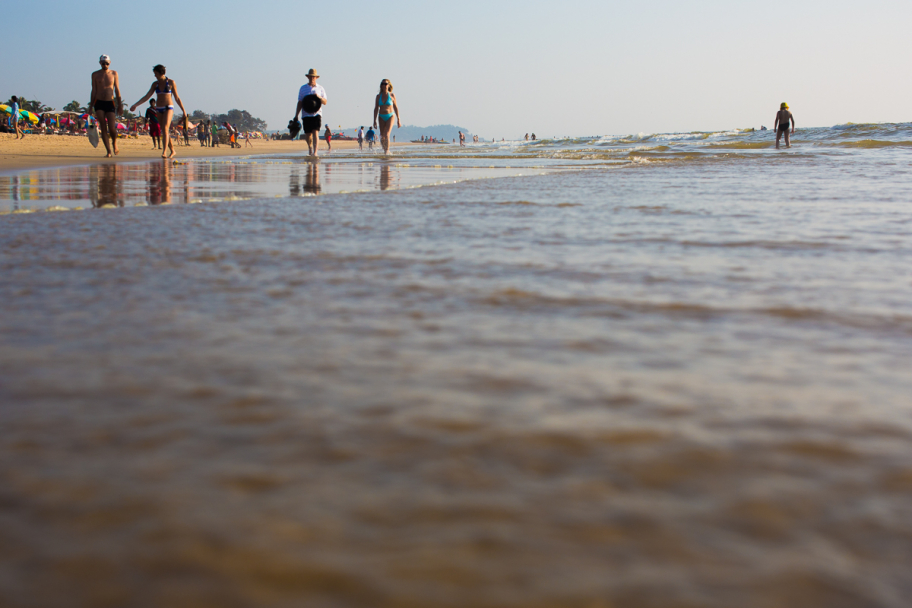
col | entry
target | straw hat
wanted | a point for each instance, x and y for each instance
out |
(313, 73)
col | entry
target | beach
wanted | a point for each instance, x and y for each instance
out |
(37, 151)
(648, 370)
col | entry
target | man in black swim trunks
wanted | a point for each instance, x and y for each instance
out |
(105, 102)
(311, 121)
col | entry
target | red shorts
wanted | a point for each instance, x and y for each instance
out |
(155, 129)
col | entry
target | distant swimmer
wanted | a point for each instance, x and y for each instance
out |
(105, 102)
(533, 137)
(384, 108)
(166, 91)
(783, 118)
(311, 111)
(461, 138)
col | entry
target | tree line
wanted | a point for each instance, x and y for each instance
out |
(242, 119)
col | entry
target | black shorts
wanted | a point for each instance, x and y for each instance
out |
(784, 129)
(104, 106)
(309, 124)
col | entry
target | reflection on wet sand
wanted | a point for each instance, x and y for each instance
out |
(160, 184)
(201, 180)
(108, 191)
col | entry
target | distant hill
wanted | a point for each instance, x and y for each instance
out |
(409, 132)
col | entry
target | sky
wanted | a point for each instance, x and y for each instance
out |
(499, 68)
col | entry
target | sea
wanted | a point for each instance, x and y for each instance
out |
(652, 370)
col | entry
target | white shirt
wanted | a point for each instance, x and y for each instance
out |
(309, 90)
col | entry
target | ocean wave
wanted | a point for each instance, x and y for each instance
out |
(873, 143)
(621, 308)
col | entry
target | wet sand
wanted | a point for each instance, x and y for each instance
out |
(43, 151)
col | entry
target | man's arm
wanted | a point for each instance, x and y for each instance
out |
(792, 116)
(92, 95)
(298, 109)
(117, 99)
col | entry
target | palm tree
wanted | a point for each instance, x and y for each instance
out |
(35, 107)
(73, 106)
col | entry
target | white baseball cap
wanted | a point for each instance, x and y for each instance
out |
(104, 59)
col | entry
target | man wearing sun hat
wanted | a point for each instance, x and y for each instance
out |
(105, 102)
(311, 99)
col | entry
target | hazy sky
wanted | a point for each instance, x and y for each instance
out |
(499, 68)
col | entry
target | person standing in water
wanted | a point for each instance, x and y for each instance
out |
(165, 89)
(105, 103)
(384, 108)
(361, 138)
(783, 118)
(311, 121)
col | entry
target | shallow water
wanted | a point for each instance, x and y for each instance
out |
(673, 383)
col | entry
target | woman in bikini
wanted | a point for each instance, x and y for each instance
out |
(165, 89)
(385, 108)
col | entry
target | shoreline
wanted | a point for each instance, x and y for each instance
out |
(51, 151)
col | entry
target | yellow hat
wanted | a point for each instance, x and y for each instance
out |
(784, 106)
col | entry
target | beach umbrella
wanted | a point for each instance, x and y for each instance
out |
(121, 126)
(5, 108)
(26, 115)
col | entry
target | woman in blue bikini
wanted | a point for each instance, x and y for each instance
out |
(165, 89)
(385, 108)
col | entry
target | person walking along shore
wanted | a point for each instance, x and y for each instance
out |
(14, 116)
(165, 89)
(105, 103)
(312, 117)
(385, 108)
(154, 127)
